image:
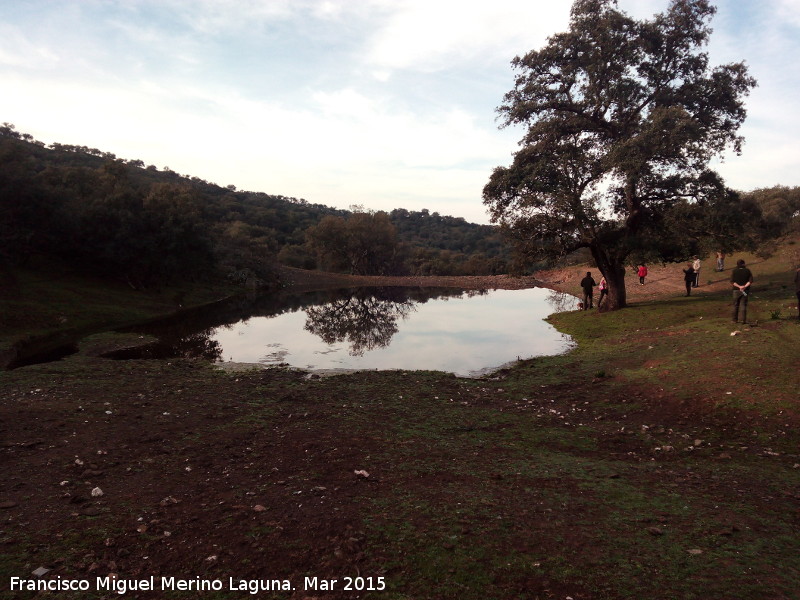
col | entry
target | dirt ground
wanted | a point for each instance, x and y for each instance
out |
(140, 469)
(663, 281)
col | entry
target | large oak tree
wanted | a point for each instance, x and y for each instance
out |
(622, 118)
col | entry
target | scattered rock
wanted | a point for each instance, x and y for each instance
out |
(97, 492)
(259, 508)
(361, 473)
(695, 551)
(41, 571)
(655, 531)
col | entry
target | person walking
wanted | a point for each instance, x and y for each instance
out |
(588, 284)
(642, 274)
(688, 278)
(603, 287)
(741, 280)
(720, 261)
(797, 289)
(696, 267)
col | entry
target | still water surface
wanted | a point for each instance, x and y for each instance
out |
(465, 333)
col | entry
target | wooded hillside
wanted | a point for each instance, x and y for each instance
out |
(121, 218)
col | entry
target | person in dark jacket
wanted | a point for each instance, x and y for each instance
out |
(587, 283)
(797, 289)
(688, 278)
(741, 280)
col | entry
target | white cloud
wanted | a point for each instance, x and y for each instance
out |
(432, 35)
(789, 11)
(17, 51)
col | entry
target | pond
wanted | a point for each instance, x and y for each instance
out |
(461, 332)
(467, 333)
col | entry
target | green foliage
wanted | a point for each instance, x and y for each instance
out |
(444, 245)
(363, 244)
(622, 118)
(779, 210)
(119, 218)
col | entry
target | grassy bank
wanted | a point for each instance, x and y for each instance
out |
(55, 305)
(659, 460)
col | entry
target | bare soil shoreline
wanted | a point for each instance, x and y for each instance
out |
(663, 281)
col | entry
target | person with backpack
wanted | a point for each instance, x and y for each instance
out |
(642, 272)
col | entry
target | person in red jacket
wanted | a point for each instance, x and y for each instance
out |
(642, 272)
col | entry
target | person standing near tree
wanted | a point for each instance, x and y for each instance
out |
(720, 261)
(587, 283)
(741, 280)
(688, 278)
(603, 287)
(696, 267)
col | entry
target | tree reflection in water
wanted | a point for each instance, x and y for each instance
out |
(561, 302)
(195, 345)
(366, 320)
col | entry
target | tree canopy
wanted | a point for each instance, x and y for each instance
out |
(621, 119)
(364, 243)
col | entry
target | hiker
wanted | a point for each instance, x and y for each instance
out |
(741, 279)
(603, 287)
(797, 289)
(688, 278)
(642, 272)
(720, 261)
(587, 283)
(696, 267)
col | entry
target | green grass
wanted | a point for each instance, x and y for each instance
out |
(49, 300)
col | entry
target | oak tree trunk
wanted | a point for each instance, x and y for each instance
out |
(614, 272)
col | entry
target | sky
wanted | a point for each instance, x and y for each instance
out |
(380, 103)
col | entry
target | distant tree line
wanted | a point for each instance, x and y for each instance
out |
(119, 218)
